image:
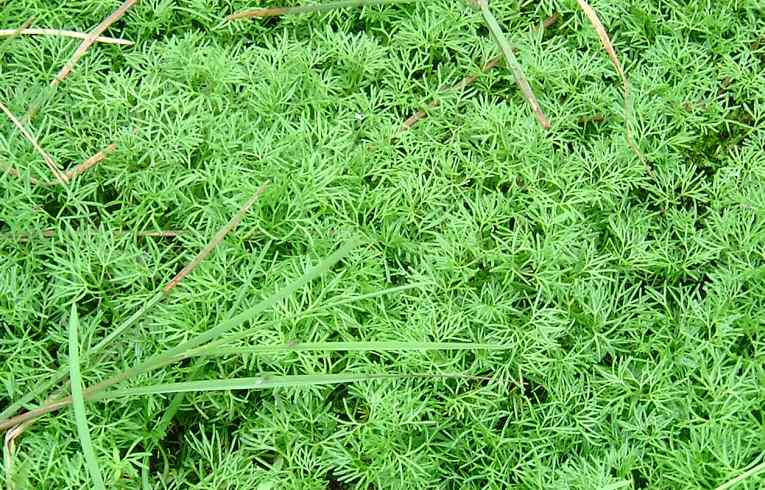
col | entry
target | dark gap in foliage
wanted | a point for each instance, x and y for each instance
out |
(533, 391)
(265, 460)
(333, 483)
(174, 445)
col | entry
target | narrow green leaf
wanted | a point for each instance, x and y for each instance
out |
(62, 372)
(266, 381)
(344, 346)
(78, 401)
(179, 352)
(753, 471)
(512, 62)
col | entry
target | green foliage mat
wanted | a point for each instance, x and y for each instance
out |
(631, 300)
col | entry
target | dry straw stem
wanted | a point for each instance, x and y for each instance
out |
(609, 47)
(216, 240)
(62, 33)
(50, 233)
(512, 62)
(91, 39)
(60, 176)
(302, 9)
(11, 170)
(90, 162)
(462, 84)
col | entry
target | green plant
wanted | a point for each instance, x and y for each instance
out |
(623, 305)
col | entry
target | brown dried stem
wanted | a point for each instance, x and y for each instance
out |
(91, 39)
(90, 162)
(609, 47)
(30, 137)
(216, 240)
(62, 33)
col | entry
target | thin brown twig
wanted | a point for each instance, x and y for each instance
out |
(49, 233)
(30, 137)
(551, 21)
(216, 240)
(35, 413)
(302, 9)
(90, 162)
(91, 39)
(62, 33)
(609, 47)
(10, 169)
(462, 84)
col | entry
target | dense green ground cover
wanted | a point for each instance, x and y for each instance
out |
(632, 300)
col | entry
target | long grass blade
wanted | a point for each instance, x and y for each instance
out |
(61, 373)
(178, 353)
(302, 9)
(78, 402)
(753, 471)
(512, 62)
(343, 347)
(266, 381)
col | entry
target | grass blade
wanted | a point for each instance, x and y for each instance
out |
(78, 402)
(177, 353)
(753, 471)
(345, 347)
(302, 9)
(512, 62)
(146, 306)
(180, 351)
(266, 381)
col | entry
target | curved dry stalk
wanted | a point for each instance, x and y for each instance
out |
(302, 9)
(90, 162)
(609, 47)
(62, 33)
(9, 448)
(60, 176)
(91, 39)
